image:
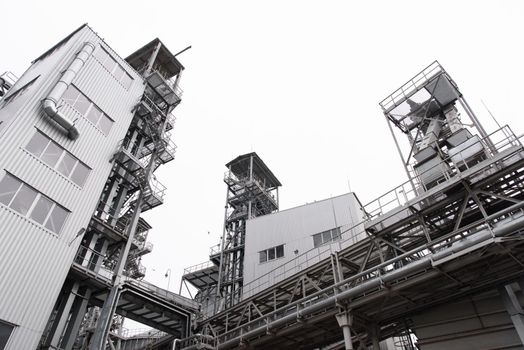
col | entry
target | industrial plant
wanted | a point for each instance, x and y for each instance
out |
(435, 263)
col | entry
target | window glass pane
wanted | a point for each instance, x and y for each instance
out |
(51, 154)
(94, 115)
(80, 174)
(41, 209)
(70, 95)
(263, 256)
(8, 187)
(56, 219)
(105, 124)
(271, 254)
(126, 80)
(110, 64)
(317, 240)
(280, 251)
(23, 200)
(66, 164)
(37, 144)
(82, 104)
(5, 332)
(326, 236)
(119, 71)
(335, 233)
(100, 54)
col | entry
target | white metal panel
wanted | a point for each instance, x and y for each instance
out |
(34, 262)
(295, 229)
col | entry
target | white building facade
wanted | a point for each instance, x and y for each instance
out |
(50, 178)
(281, 244)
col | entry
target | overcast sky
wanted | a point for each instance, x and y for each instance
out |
(296, 81)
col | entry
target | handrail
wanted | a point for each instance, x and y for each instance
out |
(391, 199)
(348, 236)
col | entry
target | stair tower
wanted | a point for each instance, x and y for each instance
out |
(252, 190)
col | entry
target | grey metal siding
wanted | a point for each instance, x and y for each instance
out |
(35, 261)
(295, 229)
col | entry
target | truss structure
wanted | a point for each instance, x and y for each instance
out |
(454, 229)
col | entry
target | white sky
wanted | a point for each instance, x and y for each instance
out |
(296, 81)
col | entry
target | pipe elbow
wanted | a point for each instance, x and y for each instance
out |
(52, 112)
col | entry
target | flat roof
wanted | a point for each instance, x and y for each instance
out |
(240, 165)
(170, 65)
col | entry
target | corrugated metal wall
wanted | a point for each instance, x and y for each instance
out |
(294, 228)
(34, 261)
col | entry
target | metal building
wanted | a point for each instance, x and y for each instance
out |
(435, 263)
(82, 132)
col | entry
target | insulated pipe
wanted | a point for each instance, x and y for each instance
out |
(416, 266)
(51, 101)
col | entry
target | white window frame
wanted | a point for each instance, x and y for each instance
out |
(116, 65)
(91, 105)
(266, 254)
(60, 158)
(33, 204)
(334, 234)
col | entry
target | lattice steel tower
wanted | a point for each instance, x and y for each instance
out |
(252, 190)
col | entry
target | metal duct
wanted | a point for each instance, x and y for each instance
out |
(51, 101)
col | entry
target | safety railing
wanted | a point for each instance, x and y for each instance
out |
(214, 250)
(118, 221)
(155, 188)
(355, 232)
(132, 151)
(198, 267)
(233, 181)
(91, 260)
(444, 243)
(502, 139)
(165, 294)
(198, 341)
(141, 333)
(411, 87)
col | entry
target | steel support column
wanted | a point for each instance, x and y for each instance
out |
(345, 320)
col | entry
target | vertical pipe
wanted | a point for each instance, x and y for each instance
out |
(347, 338)
(222, 245)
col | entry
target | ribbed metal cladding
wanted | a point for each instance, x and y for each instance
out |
(34, 262)
(294, 228)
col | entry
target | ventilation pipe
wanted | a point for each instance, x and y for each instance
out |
(51, 101)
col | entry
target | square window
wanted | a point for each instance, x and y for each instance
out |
(105, 124)
(37, 144)
(51, 154)
(82, 104)
(119, 71)
(41, 209)
(110, 64)
(280, 251)
(8, 187)
(126, 80)
(5, 332)
(70, 95)
(263, 256)
(317, 240)
(101, 55)
(326, 236)
(56, 219)
(94, 115)
(80, 174)
(23, 200)
(67, 164)
(271, 254)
